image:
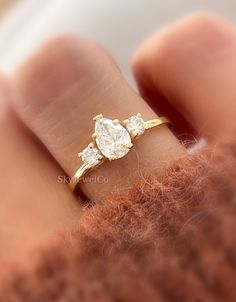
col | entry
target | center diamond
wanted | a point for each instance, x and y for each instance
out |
(112, 139)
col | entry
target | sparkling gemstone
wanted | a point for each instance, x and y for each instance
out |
(135, 125)
(90, 156)
(113, 140)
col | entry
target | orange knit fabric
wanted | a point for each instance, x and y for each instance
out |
(169, 239)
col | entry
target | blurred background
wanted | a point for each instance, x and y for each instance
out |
(119, 25)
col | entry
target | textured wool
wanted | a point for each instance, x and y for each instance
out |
(167, 239)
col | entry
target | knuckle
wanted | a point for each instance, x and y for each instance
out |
(200, 34)
(210, 27)
(61, 54)
(59, 64)
(205, 20)
(201, 38)
(64, 55)
(64, 67)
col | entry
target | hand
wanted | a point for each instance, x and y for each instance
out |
(186, 72)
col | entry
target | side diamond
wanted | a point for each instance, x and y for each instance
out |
(91, 156)
(135, 125)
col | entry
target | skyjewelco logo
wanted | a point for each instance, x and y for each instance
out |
(86, 179)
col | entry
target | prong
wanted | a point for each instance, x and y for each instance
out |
(91, 145)
(125, 122)
(97, 117)
(94, 135)
(134, 133)
(112, 158)
(116, 122)
(100, 156)
(139, 115)
(130, 145)
(80, 154)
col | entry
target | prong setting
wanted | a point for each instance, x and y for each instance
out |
(112, 139)
(130, 146)
(98, 117)
(94, 135)
(134, 133)
(116, 121)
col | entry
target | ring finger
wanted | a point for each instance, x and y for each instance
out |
(58, 93)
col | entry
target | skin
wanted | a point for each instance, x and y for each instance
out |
(185, 72)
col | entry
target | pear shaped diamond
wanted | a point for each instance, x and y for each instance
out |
(113, 140)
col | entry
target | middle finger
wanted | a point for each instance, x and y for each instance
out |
(67, 83)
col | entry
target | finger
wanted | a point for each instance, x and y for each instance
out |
(34, 206)
(63, 87)
(192, 64)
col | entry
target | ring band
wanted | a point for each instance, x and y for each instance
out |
(112, 140)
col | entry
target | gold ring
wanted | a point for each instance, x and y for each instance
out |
(112, 140)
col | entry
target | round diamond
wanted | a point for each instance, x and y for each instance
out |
(135, 125)
(113, 140)
(90, 156)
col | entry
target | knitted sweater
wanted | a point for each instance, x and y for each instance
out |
(167, 239)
